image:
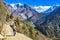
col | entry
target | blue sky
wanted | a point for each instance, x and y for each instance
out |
(35, 2)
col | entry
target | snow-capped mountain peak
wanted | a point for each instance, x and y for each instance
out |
(15, 6)
(41, 8)
(37, 8)
(52, 8)
(18, 5)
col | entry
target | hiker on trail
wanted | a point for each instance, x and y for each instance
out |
(14, 28)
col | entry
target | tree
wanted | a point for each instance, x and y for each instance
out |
(26, 30)
(7, 17)
(11, 16)
(17, 22)
(32, 32)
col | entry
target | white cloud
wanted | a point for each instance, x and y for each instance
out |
(41, 8)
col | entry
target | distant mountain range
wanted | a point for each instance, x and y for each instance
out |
(52, 8)
(24, 11)
(41, 8)
(15, 29)
(37, 8)
(51, 24)
(47, 21)
(28, 13)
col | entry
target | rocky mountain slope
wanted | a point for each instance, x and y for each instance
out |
(48, 22)
(3, 11)
(52, 8)
(51, 26)
(24, 11)
(10, 26)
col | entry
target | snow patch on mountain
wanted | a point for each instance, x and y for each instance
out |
(52, 8)
(37, 8)
(41, 8)
(14, 5)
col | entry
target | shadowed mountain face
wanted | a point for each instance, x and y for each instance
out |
(52, 8)
(47, 23)
(51, 26)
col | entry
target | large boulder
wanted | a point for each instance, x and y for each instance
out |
(7, 30)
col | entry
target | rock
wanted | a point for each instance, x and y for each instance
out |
(1, 36)
(7, 30)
